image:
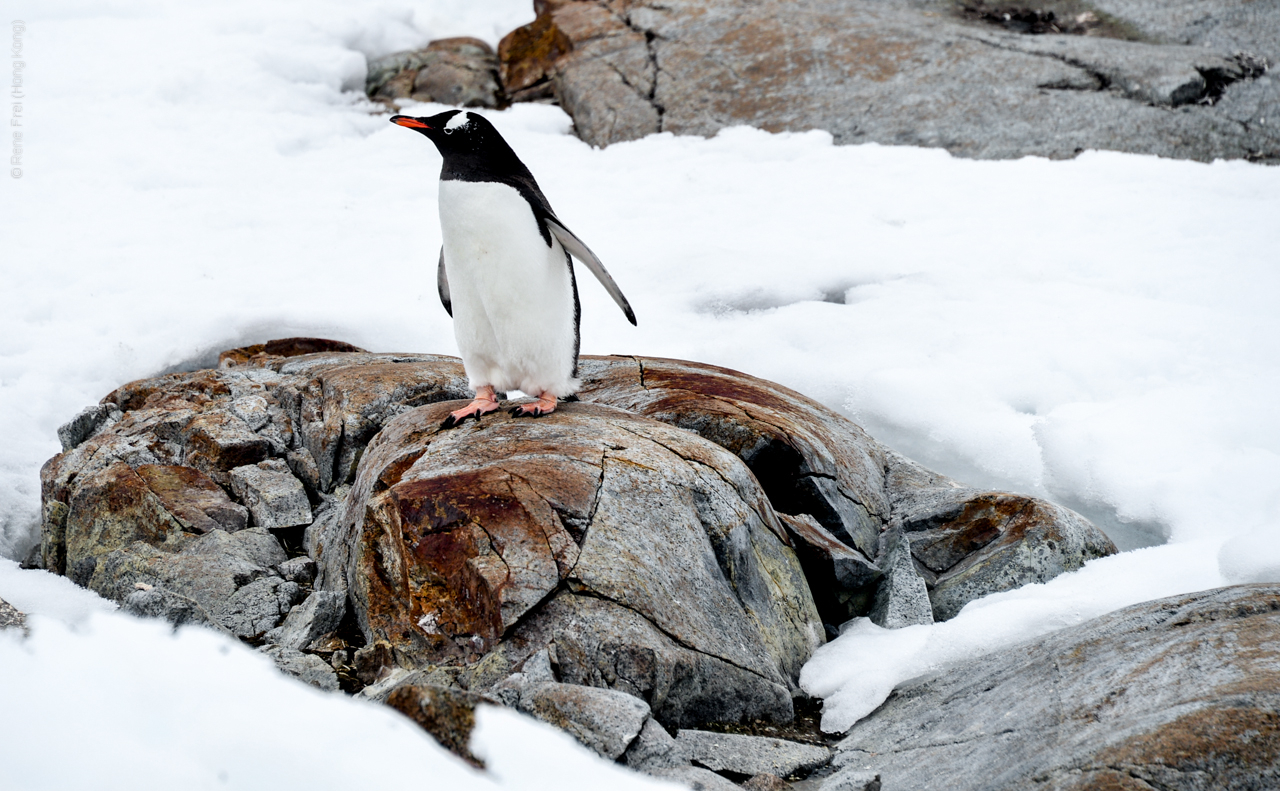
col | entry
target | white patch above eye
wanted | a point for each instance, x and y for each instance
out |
(459, 120)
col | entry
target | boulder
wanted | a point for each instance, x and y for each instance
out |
(1180, 693)
(902, 598)
(87, 423)
(307, 668)
(272, 494)
(605, 720)
(559, 532)
(1050, 78)
(459, 71)
(750, 755)
(695, 778)
(654, 749)
(319, 614)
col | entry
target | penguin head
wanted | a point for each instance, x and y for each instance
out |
(456, 132)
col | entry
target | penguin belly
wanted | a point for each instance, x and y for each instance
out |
(514, 300)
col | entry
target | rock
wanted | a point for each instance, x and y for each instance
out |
(750, 755)
(273, 353)
(195, 501)
(852, 778)
(87, 423)
(558, 530)
(11, 617)
(160, 602)
(841, 578)
(1179, 693)
(766, 782)
(217, 442)
(654, 749)
(459, 71)
(319, 614)
(695, 778)
(902, 598)
(272, 494)
(307, 668)
(603, 719)
(301, 570)
(449, 715)
(913, 73)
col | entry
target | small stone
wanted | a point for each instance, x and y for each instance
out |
(449, 715)
(301, 570)
(654, 749)
(142, 586)
(766, 782)
(750, 755)
(537, 668)
(273, 495)
(603, 719)
(318, 615)
(340, 659)
(252, 410)
(902, 598)
(11, 617)
(304, 667)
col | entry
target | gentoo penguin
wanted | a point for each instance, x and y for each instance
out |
(505, 273)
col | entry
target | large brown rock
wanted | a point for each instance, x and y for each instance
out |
(979, 79)
(1178, 694)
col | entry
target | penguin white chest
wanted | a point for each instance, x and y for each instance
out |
(514, 301)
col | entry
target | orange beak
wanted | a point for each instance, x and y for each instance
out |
(412, 123)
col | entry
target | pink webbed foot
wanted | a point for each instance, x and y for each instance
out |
(484, 403)
(545, 405)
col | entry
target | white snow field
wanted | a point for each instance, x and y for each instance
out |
(1102, 332)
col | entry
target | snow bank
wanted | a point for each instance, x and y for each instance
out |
(1100, 331)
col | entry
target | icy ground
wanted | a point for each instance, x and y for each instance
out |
(1102, 331)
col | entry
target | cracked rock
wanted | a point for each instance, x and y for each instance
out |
(1176, 694)
(87, 423)
(274, 497)
(750, 755)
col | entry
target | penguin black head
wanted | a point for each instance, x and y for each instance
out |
(467, 141)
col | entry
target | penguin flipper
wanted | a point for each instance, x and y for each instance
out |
(442, 284)
(580, 251)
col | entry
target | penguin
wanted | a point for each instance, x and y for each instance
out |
(505, 272)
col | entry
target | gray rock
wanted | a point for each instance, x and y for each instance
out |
(305, 667)
(840, 577)
(255, 608)
(654, 749)
(318, 615)
(1172, 694)
(750, 755)
(160, 602)
(603, 719)
(272, 494)
(301, 570)
(11, 617)
(695, 778)
(459, 71)
(88, 422)
(766, 782)
(537, 668)
(852, 778)
(913, 72)
(216, 442)
(902, 598)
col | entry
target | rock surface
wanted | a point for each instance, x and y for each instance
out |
(447, 714)
(961, 76)
(750, 755)
(458, 71)
(1180, 693)
(11, 617)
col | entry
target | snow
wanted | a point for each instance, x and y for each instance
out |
(1099, 331)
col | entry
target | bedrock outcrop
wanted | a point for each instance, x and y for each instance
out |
(980, 79)
(1175, 694)
(685, 535)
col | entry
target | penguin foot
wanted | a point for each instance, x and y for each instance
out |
(484, 403)
(545, 405)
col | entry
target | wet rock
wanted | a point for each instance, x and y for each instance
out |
(318, 615)
(194, 500)
(459, 71)
(463, 535)
(1175, 694)
(902, 598)
(695, 778)
(904, 73)
(11, 617)
(87, 423)
(307, 668)
(750, 755)
(272, 494)
(449, 715)
(654, 749)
